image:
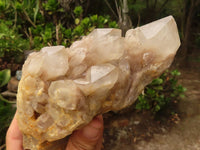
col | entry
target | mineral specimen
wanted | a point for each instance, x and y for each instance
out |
(62, 89)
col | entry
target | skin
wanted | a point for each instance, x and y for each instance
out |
(89, 137)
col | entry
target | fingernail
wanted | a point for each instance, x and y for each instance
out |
(91, 132)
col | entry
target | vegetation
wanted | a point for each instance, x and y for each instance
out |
(38, 23)
(161, 93)
(6, 108)
(11, 42)
(35, 24)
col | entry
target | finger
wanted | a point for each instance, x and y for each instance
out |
(89, 137)
(14, 136)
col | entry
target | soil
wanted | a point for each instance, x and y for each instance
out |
(11, 64)
(132, 130)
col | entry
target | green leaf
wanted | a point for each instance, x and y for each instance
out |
(151, 92)
(182, 95)
(78, 11)
(113, 24)
(172, 95)
(159, 88)
(180, 89)
(5, 76)
(105, 21)
(157, 81)
(1, 53)
(36, 10)
(2, 5)
(157, 108)
(2, 35)
(68, 33)
(78, 31)
(18, 6)
(85, 22)
(175, 73)
(138, 106)
(61, 10)
(94, 18)
(77, 21)
(184, 89)
(91, 28)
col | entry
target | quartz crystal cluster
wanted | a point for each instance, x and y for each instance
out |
(62, 89)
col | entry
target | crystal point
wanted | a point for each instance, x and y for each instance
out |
(62, 89)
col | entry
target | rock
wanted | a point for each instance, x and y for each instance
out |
(120, 123)
(9, 94)
(123, 122)
(62, 89)
(13, 84)
(136, 122)
(18, 74)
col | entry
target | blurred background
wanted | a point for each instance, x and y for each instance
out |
(166, 114)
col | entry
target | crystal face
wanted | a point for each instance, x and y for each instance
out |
(62, 89)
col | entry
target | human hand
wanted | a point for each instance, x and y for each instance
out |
(88, 138)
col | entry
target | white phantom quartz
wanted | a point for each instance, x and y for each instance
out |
(62, 89)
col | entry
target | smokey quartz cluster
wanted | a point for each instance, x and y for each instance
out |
(62, 89)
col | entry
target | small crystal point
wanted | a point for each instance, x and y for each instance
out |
(160, 36)
(61, 89)
(100, 71)
(106, 32)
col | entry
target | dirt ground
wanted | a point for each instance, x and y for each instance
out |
(139, 131)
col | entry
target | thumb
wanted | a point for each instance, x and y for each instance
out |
(14, 139)
(89, 137)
